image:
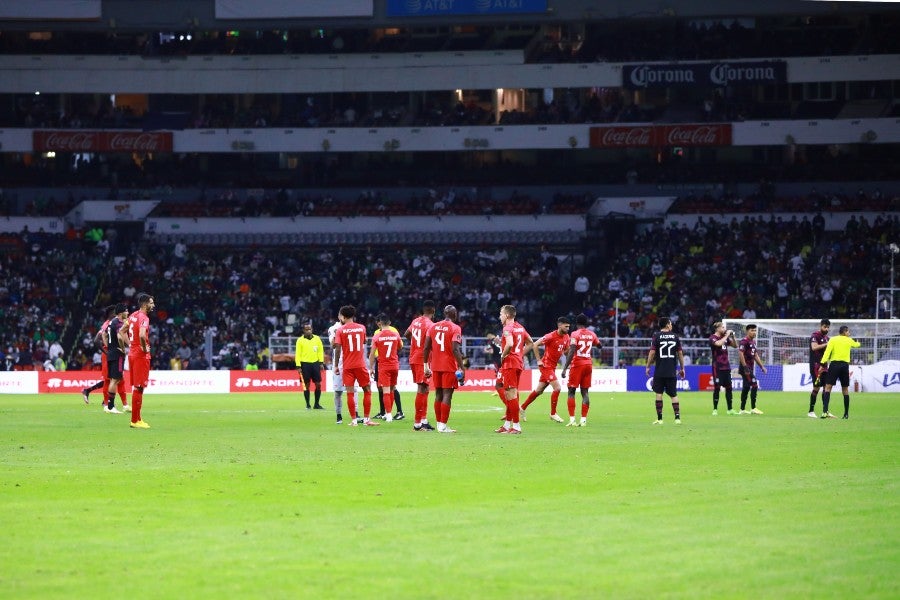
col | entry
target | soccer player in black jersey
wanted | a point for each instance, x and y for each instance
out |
(667, 355)
(818, 341)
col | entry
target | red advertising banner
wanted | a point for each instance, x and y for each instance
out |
(642, 136)
(101, 141)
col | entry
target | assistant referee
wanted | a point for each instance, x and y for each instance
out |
(837, 359)
(308, 356)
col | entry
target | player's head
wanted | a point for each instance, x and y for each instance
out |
(146, 302)
(429, 308)
(581, 321)
(347, 313)
(121, 310)
(109, 311)
(507, 313)
(719, 327)
(665, 323)
(751, 330)
(382, 320)
(307, 330)
(824, 325)
(844, 330)
(562, 325)
(450, 313)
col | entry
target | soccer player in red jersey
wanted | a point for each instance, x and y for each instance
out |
(443, 358)
(416, 334)
(582, 343)
(748, 356)
(512, 363)
(139, 355)
(100, 338)
(555, 343)
(386, 344)
(350, 346)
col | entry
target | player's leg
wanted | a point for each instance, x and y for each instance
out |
(537, 391)
(304, 381)
(554, 400)
(397, 404)
(446, 403)
(349, 381)
(846, 390)
(814, 376)
(657, 386)
(725, 379)
(140, 375)
(672, 392)
(337, 382)
(585, 402)
(745, 388)
(316, 377)
(570, 401)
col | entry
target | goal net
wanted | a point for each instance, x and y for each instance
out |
(785, 342)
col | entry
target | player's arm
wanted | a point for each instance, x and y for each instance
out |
(535, 349)
(98, 338)
(336, 367)
(408, 333)
(569, 355)
(320, 351)
(426, 354)
(457, 354)
(651, 359)
(681, 363)
(122, 339)
(826, 356)
(759, 361)
(144, 337)
(507, 347)
(372, 355)
(742, 359)
(854, 343)
(815, 347)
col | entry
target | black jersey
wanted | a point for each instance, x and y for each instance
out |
(666, 345)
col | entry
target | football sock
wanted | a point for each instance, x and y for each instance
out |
(437, 410)
(137, 400)
(445, 412)
(554, 401)
(728, 398)
(397, 401)
(122, 395)
(659, 407)
(716, 399)
(367, 403)
(812, 400)
(529, 400)
(826, 400)
(744, 393)
(676, 407)
(571, 403)
(421, 404)
(105, 387)
(318, 395)
(306, 397)
(338, 404)
(94, 387)
(514, 410)
(388, 403)
(585, 407)
(846, 404)
(111, 400)
(753, 397)
(351, 403)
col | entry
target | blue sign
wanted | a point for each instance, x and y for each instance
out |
(696, 378)
(439, 8)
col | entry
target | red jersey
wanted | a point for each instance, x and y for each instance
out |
(387, 342)
(513, 335)
(106, 324)
(583, 340)
(137, 321)
(555, 346)
(352, 339)
(418, 329)
(443, 334)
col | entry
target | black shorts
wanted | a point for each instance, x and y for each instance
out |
(311, 372)
(838, 371)
(722, 378)
(115, 367)
(746, 374)
(667, 385)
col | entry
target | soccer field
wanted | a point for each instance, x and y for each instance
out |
(254, 496)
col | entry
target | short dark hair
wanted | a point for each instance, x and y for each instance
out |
(825, 322)
(563, 320)
(121, 307)
(383, 318)
(581, 319)
(664, 322)
(143, 298)
(844, 329)
(750, 326)
(429, 306)
(348, 311)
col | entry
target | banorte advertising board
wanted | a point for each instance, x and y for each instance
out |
(101, 141)
(270, 381)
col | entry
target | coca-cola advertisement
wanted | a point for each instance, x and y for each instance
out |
(644, 136)
(102, 141)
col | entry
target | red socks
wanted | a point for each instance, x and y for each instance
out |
(584, 409)
(571, 403)
(367, 403)
(388, 402)
(137, 399)
(554, 401)
(421, 407)
(351, 404)
(529, 400)
(122, 395)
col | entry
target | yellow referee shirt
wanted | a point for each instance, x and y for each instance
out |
(309, 350)
(838, 349)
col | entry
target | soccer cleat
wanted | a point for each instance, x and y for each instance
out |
(399, 416)
(812, 415)
(715, 412)
(427, 427)
(308, 407)
(502, 430)
(583, 422)
(140, 425)
(388, 417)
(515, 432)
(828, 415)
(446, 430)
(678, 421)
(370, 423)
(126, 408)
(556, 417)
(657, 422)
(744, 412)
(353, 423)
(756, 411)
(846, 417)
(86, 395)
(379, 416)
(732, 412)
(113, 410)
(571, 423)
(339, 421)
(522, 415)
(318, 407)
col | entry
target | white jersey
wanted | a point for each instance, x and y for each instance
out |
(331, 331)
(337, 381)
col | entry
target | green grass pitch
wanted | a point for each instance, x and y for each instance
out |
(251, 495)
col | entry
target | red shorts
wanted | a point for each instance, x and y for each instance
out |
(511, 377)
(139, 365)
(548, 374)
(361, 376)
(580, 376)
(418, 374)
(445, 380)
(387, 377)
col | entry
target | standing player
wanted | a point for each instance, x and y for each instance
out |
(817, 343)
(837, 359)
(100, 338)
(116, 343)
(721, 367)
(748, 356)
(416, 334)
(443, 357)
(386, 345)
(139, 355)
(384, 322)
(309, 354)
(350, 347)
(665, 353)
(337, 382)
(512, 363)
(555, 343)
(582, 343)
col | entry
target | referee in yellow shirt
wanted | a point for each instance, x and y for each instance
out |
(308, 356)
(837, 360)
(382, 321)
